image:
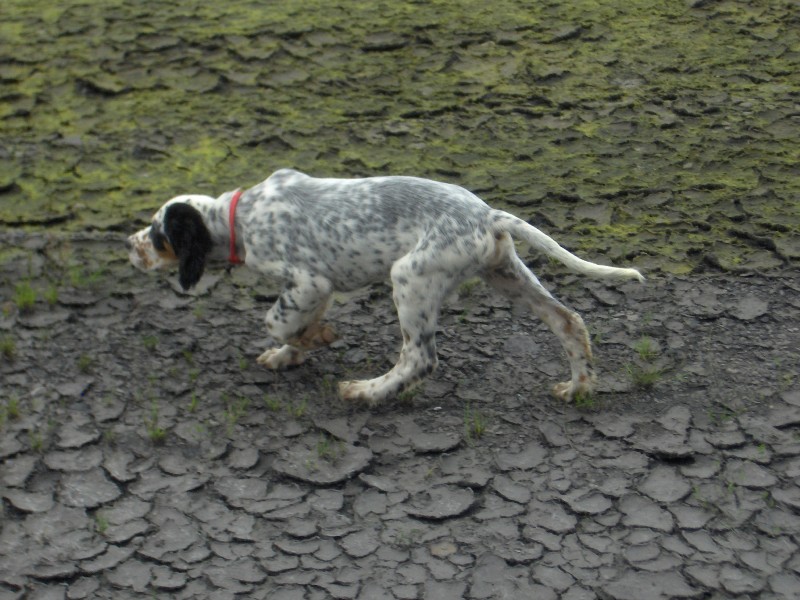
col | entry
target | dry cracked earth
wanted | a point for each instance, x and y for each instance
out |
(146, 454)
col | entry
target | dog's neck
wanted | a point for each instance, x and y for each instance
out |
(233, 255)
(216, 216)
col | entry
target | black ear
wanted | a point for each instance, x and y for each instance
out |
(190, 239)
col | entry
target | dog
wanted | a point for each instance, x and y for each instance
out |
(319, 236)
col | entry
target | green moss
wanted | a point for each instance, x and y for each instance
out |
(115, 105)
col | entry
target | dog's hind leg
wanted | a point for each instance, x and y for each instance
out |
(418, 296)
(296, 321)
(516, 281)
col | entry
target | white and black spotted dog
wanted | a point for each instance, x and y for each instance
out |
(325, 235)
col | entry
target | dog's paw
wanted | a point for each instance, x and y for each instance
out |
(363, 391)
(316, 336)
(563, 391)
(280, 358)
(327, 335)
(567, 391)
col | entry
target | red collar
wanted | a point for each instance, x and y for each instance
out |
(234, 258)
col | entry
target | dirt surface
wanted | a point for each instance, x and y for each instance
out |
(145, 453)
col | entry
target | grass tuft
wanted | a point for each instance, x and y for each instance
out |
(156, 433)
(646, 348)
(475, 423)
(644, 376)
(8, 347)
(24, 296)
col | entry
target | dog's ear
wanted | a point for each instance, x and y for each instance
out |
(190, 239)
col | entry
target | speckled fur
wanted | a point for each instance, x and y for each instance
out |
(324, 235)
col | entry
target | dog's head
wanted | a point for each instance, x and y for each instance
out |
(177, 236)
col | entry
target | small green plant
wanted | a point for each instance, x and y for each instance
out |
(724, 414)
(24, 296)
(273, 404)
(156, 433)
(78, 277)
(643, 377)
(85, 363)
(8, 347)
(97, 275)
(37, 441)
(243, 363)
(698, 496)
(51, 294)
(298, 410)
(467, 287)
(12, 409)
(327, 386)
(787, 380)
(585, 400)
(100, 523)
(474, 423)
(328, 448)
(407, 396)
(646, 348)
(149, 342)
(235, 411)
(194, 401)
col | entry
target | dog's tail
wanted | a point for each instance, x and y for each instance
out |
(539, 240)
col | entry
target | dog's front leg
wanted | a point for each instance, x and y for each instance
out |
(295, 321)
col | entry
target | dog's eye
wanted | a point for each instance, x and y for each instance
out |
(158, 239)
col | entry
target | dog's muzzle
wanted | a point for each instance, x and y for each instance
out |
(137, 253)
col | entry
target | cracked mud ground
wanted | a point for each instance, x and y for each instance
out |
(145, 454)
